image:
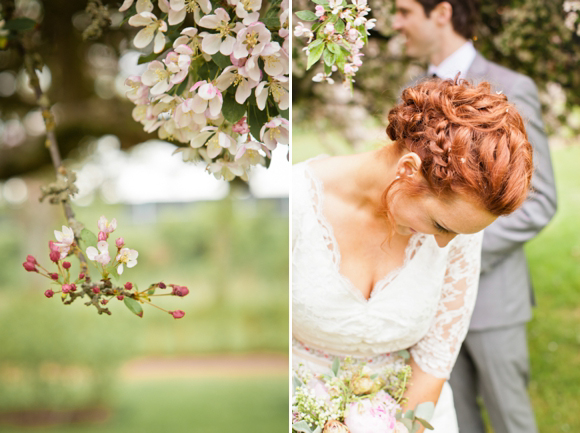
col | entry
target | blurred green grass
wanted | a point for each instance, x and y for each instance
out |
(245, 405)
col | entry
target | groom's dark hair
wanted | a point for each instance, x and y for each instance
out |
(464, 14)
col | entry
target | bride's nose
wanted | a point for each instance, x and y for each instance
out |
(443, 240)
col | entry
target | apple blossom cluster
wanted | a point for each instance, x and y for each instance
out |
(109, 263)
(337, 35)
(355, 399)
(217, 80)
(572, 11)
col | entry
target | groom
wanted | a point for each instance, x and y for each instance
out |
(493, 362)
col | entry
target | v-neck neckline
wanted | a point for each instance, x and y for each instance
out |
(412, 247)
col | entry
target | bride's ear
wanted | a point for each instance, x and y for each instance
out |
(408, 165)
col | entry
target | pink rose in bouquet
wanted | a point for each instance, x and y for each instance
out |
(372, 415)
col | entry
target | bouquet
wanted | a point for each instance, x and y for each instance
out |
(350, 398)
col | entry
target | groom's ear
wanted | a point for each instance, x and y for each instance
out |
(408, 165)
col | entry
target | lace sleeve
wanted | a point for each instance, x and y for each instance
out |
(437, 351)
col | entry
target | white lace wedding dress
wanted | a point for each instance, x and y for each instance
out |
(423, 306)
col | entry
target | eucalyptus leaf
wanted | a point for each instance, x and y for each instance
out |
(20, 24)
(404, 354)
(425, 410)
(133, 306)
(407, 423)
(306, 15)
(301, 426)
(221, 60)
(339, 26)
(425, 423)
(335, 366)
(88, 238)
(231, 110)
(315, 55)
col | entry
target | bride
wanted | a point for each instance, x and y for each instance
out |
(387, 244)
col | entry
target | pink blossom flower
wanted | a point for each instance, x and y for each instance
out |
(223, 41)
(64, 240)
(275, 132)
(105, 226)
(207, 96)
(142, 6)
(241, 126)
(238, 77)
(278, 88)
(101, 255)
(190, 6)
(126, 257)
(374, 415)
(30, 267)
(251, 40)
(154, 29)
(177, 314)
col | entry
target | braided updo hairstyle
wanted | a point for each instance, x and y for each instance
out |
(470, 140)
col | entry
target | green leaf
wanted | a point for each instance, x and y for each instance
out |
(134, 306)
(404, 354)
(335, 366)
(302, 427)
(306, 15)
(329, 58)
(20, 24)
(256, 119)
(147, 58)
(333, 47)
(231, 110)
(339, 26)
(88, 238)
(425, 423)
(425, 410)
(315, 55)
(407, 423)
(221, 60)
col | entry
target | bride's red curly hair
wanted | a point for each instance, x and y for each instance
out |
(470, 140)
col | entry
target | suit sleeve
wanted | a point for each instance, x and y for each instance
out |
(510, 232)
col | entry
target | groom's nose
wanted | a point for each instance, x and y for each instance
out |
(443, 240)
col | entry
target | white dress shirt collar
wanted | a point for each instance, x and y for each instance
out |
(459, 61)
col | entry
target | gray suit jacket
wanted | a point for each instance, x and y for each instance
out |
(505, 292)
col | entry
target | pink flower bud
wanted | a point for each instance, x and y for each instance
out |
(66, 265)
(66, 288)
(120, 242)
(81, 276)
(120, 297)
(102, 236)
(128, 285)
(162, 285)
(96, 290)
(30, 267)
(49, 293)
(31, 259)
(54, 276)
(177, 314)
(54, 256)
(73, 287)
(180, 291)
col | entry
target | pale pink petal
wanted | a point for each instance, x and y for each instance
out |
(211, 43)
(144, 37)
